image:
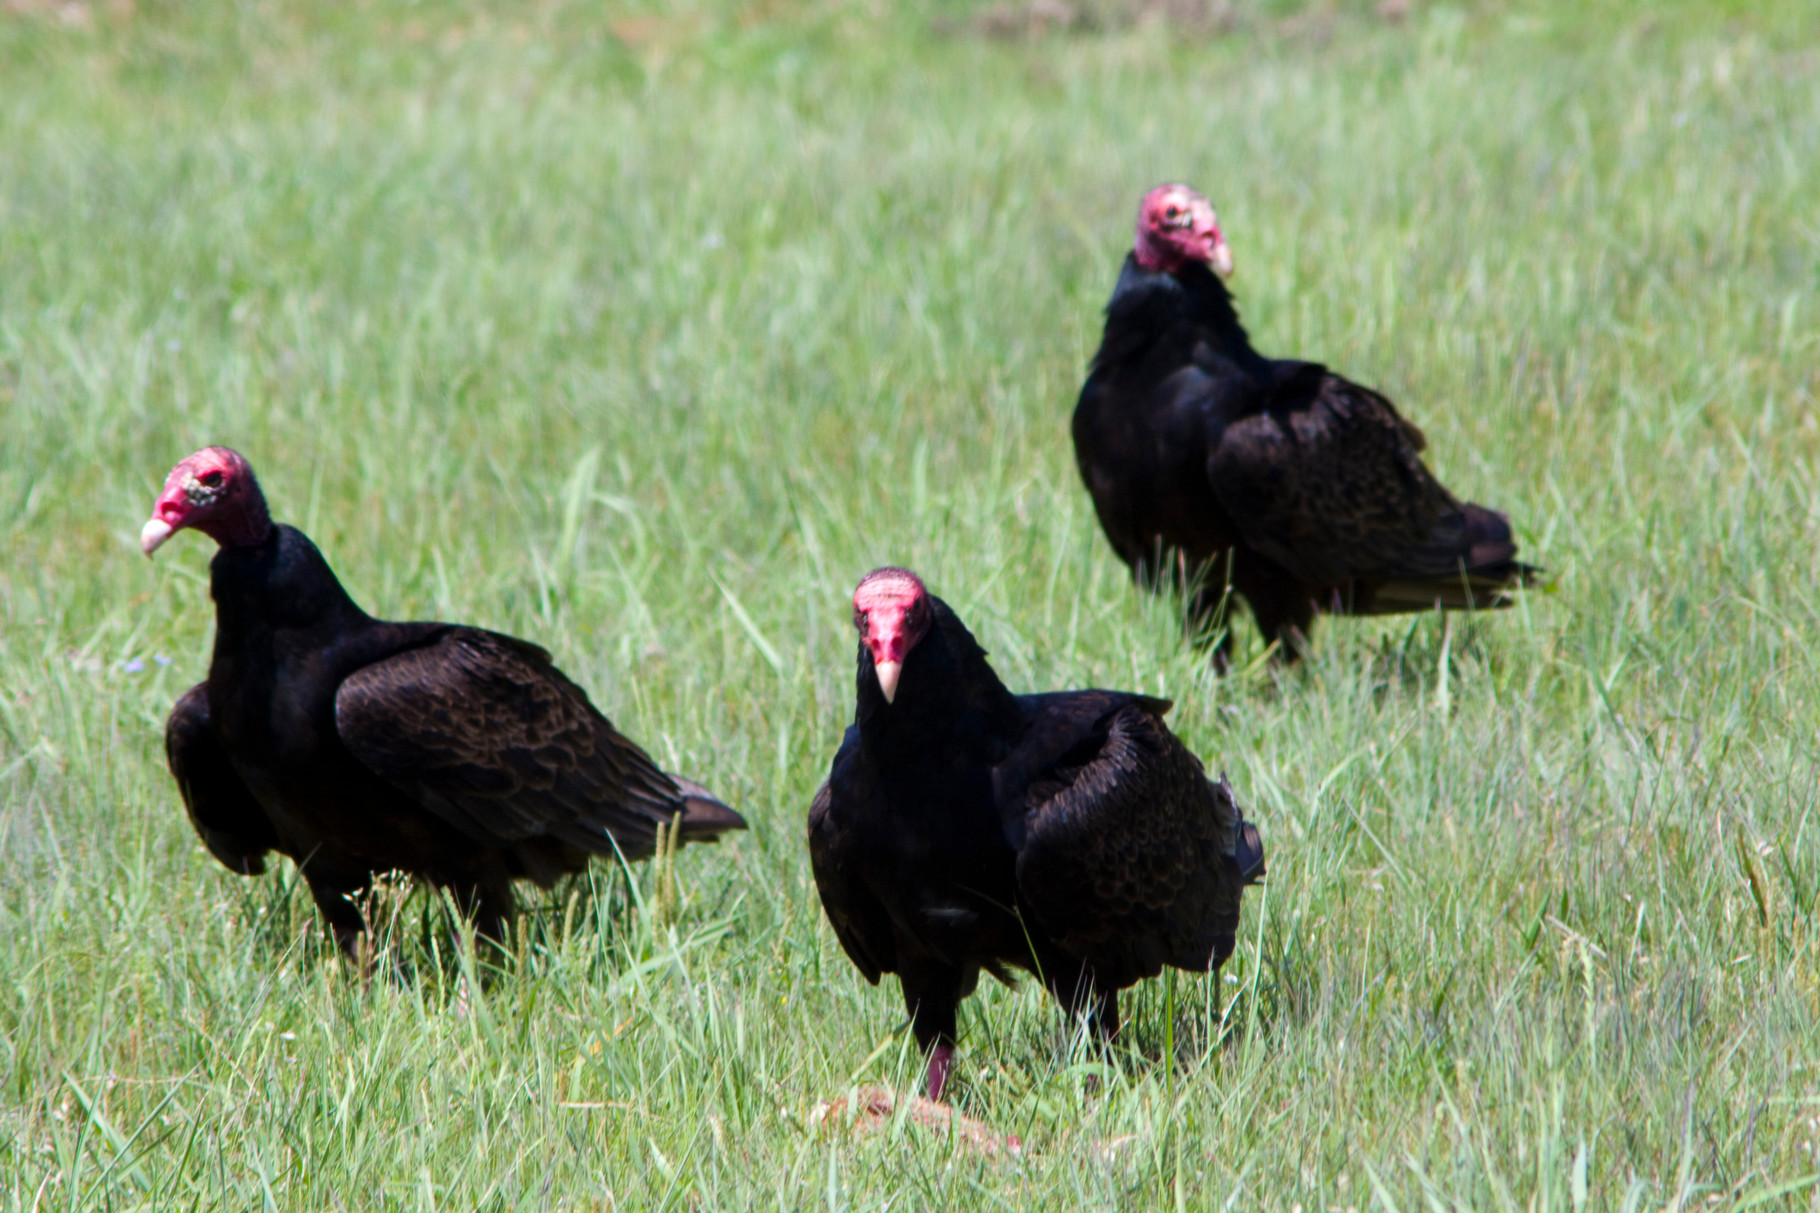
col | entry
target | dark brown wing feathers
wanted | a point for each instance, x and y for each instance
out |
(705, 818)
(486, 733)
(1329, 483)
(1060, 722)
(221, 807)
(1124, 859)
(859, 921)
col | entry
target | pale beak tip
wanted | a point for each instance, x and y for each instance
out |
(887, 678)
(1222, 260)
(153, 534)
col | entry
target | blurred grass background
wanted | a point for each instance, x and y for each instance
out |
(644, 330)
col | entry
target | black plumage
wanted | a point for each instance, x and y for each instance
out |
(358, 746)
(1215, 467)
(964, 828)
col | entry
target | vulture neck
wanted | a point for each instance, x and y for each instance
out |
(1157, 302)
(279, 583)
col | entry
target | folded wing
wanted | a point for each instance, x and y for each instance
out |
(1126, 848)
(1329, 483)
(859, 920)
(221, 807)
(487, 734)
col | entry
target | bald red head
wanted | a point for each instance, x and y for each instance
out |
(891, 609)
(213, 491)
(1176, 225)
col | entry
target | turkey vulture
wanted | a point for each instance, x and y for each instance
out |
(964, 828)
(358, 746)
(1296, 488)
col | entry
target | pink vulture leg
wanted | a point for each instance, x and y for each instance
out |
(941, 1059)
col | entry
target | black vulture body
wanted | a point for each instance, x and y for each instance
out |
(357, 746)
(1214, 467)
(1070, 835)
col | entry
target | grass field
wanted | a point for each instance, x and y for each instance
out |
(644, 332)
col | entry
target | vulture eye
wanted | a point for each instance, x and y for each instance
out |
(859, 620)
(212, 479)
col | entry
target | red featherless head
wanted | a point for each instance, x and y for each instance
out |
(213, 491)
(1177, 225)
(892, 612)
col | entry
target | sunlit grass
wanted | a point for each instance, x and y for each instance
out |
(588, 325)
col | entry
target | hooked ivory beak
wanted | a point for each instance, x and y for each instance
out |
(1222, 259)
(154, 533)
(887, 678)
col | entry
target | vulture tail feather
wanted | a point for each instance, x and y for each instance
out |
(705, 818)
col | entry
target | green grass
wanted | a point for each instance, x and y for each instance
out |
(587, 324)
